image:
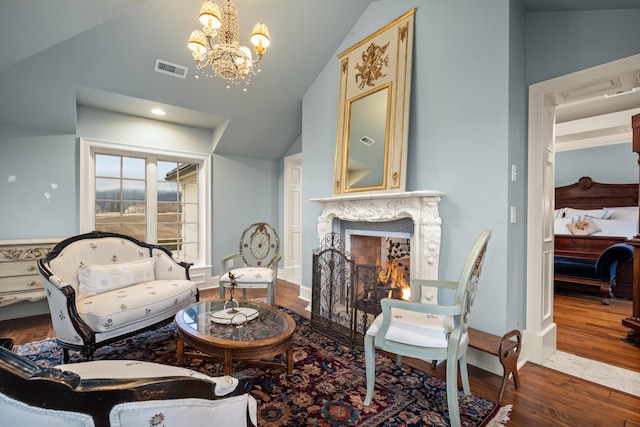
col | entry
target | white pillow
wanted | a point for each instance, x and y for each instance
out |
(625, 213)
(560, 224)
(590, 213)
(97, 279)
(559, 213)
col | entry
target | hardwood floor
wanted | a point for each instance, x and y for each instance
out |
(546, 397)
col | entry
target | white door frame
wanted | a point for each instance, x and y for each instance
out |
(540, 332)
(292, 265)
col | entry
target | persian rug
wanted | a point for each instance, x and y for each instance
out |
(326, 388)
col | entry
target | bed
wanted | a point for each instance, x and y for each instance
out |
(592, 223)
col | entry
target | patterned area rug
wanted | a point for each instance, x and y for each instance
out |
(326, 388)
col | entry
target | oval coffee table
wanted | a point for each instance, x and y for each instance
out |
(268, 334)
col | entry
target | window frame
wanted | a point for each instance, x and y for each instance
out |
(88, 149)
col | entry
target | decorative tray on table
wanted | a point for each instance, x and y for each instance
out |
(234, 316)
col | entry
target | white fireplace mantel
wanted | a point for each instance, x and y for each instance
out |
(420, 206)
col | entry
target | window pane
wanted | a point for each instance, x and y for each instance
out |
(137, 231)
(168, 191)
(168, 212)
(134, 207)
(133, 190)
(107, 165)
(107, 189)
(111, 228)
(190, 232)
(167, 171)
(133, 168)
(168, 232)
(132, 217)
(108, 209)
(190, 212)
(189, 252)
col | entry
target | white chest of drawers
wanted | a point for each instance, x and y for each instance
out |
(19, 279)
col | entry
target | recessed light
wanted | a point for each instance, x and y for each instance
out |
(158, 112)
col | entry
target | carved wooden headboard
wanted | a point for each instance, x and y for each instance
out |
(588, 194)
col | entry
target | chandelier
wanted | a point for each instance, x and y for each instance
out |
(227, 59)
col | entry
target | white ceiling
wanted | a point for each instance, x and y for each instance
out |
(102, 54)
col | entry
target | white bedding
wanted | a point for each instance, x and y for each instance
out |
(622, 222)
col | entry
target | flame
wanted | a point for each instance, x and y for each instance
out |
(392, 275)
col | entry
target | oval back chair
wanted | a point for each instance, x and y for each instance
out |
(259, 253)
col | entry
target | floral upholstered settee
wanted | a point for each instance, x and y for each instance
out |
(119, 393)
(102, 287)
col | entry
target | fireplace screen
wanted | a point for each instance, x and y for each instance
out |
(346, 295)
(332, 296)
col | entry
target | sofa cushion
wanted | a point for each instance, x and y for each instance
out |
(115, 309)
(97, 279)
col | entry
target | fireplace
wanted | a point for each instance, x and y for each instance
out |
(377, 243)
(392, 212)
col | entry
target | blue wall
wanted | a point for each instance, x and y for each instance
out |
(462, 134)
(611, 164)
(30, 163)
(243, 190)
(560, 43)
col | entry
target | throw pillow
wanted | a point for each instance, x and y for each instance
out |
(591, 213)
(97, 279)
(583, 227)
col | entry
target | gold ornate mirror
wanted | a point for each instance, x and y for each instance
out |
(373, 110)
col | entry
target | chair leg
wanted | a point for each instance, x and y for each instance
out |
(271, 299)
(452, 389)
(464, 374)
(398, 360)
(370, 363)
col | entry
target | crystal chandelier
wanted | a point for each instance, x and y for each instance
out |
(227, 58)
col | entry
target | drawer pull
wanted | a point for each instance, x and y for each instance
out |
(31, 268)
(31, 283)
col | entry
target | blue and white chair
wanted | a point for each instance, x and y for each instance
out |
(259, 253)
(430, 331)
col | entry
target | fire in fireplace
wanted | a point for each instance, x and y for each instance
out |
(376, 279)
(391, 257)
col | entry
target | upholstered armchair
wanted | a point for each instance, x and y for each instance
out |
(119, 393)
(430, 331)
(259, 253)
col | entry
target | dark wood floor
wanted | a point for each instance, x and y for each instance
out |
(545, 398)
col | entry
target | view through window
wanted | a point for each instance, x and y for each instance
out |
(150, 199)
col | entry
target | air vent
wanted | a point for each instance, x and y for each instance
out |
(166, 67)
(367, 140)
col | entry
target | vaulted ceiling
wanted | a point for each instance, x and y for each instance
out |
(58, 54)
(102, 54)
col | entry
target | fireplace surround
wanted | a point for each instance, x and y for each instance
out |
(420, 206)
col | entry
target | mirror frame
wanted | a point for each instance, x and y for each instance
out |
(386, 57)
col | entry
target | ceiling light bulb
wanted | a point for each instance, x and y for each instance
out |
(158, 112)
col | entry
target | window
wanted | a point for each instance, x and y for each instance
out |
(154, 196)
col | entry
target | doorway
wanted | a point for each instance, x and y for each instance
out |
(292, 270)
(544, 98)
